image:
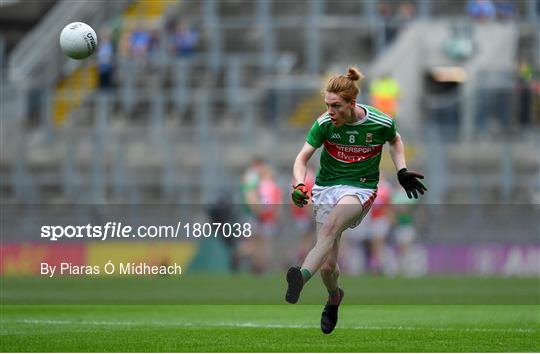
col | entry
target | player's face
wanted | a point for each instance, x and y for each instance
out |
(340, 111)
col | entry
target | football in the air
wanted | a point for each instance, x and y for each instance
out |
(78, 40)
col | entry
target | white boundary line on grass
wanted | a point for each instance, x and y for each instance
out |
(262, 325)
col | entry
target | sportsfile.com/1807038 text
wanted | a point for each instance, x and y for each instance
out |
(118, 230)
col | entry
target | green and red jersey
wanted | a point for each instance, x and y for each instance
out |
(352, 152)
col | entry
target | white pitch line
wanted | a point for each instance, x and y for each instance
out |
(381, 328)
(264, 325)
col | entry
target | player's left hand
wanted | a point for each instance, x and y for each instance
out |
(409, 181)
(300, 195)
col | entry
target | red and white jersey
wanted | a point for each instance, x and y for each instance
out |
(270, 197)
(381, 203)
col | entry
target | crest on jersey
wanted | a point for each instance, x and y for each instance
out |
(369, 137)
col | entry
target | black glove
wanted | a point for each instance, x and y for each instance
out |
(409, 181)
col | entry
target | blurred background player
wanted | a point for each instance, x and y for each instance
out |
(404, 231)
(379, 224)
(346, 185)
(262, 197)
(303, 222)
(223, 211)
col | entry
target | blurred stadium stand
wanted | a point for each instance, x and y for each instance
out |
(17, 17)
(181, 129)
(261, 65)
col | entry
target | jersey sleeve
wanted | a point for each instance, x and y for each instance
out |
(391, 131)
(315, 137)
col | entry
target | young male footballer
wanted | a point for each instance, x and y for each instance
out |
(353, 136)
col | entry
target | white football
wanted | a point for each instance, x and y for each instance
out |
(78, 40)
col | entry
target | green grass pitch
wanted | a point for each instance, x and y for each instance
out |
(269, 328)
(35, 317)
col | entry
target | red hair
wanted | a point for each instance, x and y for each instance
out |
(346, 86)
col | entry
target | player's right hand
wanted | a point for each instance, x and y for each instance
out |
(300, 195)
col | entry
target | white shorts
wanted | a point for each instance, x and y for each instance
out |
(262, 229)
(405, 234)
(326, 198)
(303, 225)
(370, 229)
(380, 227)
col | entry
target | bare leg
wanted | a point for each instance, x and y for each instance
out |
(377, 246)
(330, 275)
(346, 211)
(330, 268)
(342, 216)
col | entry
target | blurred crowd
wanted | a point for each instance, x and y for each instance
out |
(483, 10)
(395, 20)
(143, 43)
